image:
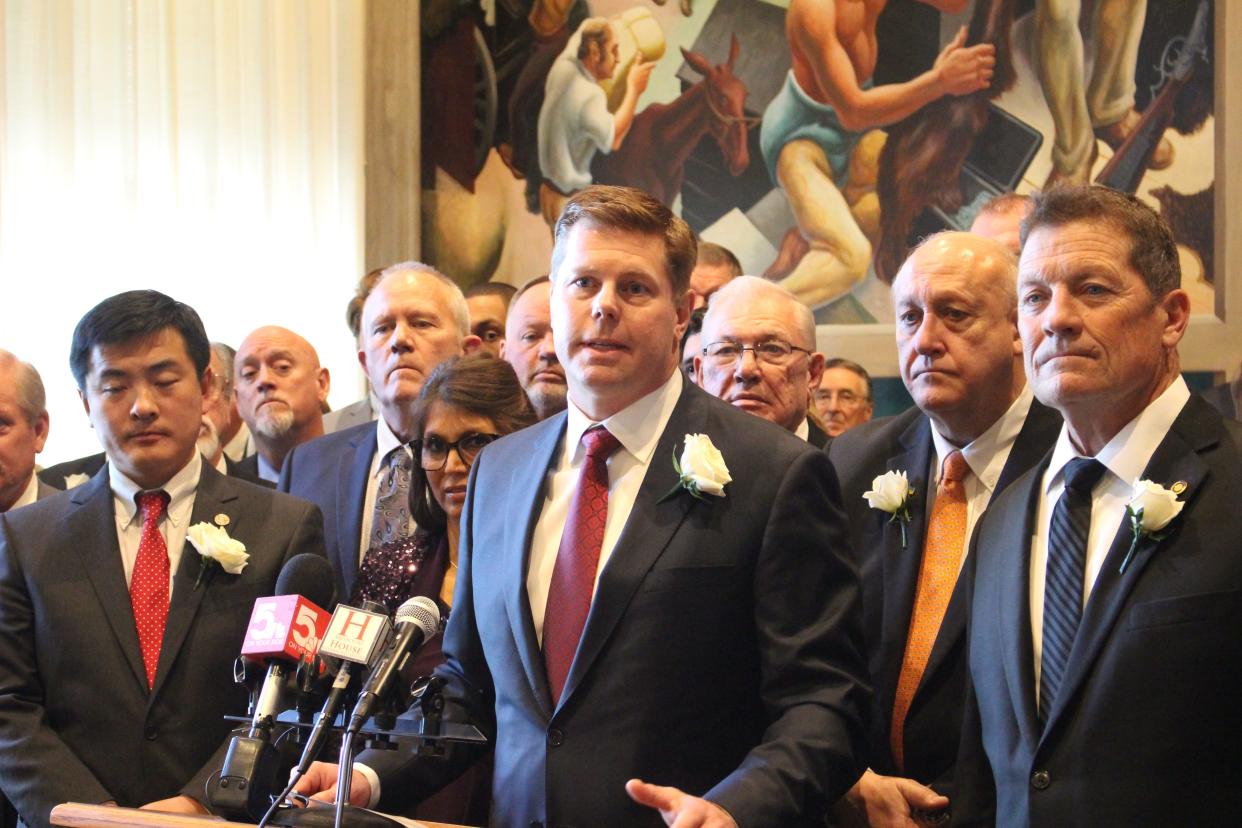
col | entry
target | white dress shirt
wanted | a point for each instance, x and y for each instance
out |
(803, 431)
(181, 490)
(241, 446)
(385, 441)
(638, 428)
(1125, 457)
(29, 495)
(986, 456)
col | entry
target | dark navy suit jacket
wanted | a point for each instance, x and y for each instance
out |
(722, 652)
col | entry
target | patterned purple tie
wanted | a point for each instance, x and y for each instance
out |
(573, 577)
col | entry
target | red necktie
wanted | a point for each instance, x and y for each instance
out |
(148, 588)
(942, 560)
(573, 577)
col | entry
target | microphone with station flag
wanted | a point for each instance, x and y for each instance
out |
(284, 631)
(416, 620)
(355, 636)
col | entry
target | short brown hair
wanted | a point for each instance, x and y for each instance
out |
(505, 292)
(593, 30)
(1153, 253)
(634, 211)
(477, 384)
(851, 365)
(715, 255)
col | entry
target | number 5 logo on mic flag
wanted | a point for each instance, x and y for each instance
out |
(284, 626)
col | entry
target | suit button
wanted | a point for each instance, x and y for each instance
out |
(555, 738)
(151, 734)
(1040, 780)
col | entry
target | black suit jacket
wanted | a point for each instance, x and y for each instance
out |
(816, 436)
(890, 575)
(331, 472)
(54, 476)
(247, 469)
(721, 654)
(77, 720)
(1145, 729)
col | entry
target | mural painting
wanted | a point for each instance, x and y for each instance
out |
(817, 139)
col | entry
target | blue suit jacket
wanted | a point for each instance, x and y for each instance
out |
(722, 652)
(331, 472)
(1145, 729)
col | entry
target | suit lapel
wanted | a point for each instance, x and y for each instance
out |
(525, 504)
(1176, 459)
(901, 565)
(650, 526)
(1014, 604)
(214, 496)
(92, 527)
(350, 503)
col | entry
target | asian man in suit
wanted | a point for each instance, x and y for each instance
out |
(1103, 644)
(116, 661)
(609, 626)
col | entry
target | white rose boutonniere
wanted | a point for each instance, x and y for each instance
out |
(702, 468)
(1151, 509)
(216, 548)
(891, 492)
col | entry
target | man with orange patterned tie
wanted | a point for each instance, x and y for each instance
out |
(975, 429)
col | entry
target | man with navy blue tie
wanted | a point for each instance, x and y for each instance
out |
(616, 620)
(1108, 594)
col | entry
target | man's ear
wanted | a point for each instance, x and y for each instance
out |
(42, 425)
(815, 370)
(1176, 306)
(324, 381)
(470, 344)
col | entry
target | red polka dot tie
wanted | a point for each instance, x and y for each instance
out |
(942, 559)
(148, 588)
(573, 578)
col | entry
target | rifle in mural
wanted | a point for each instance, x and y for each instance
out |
(1126, 168)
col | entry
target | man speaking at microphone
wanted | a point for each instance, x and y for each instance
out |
(118, 627)
(616, 621)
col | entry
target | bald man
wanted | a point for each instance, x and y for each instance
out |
(529, 349)
(413, 319)
(758, 354)
(281, 389)
(975, 429)
(23, 431)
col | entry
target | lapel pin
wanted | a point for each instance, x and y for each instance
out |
(1179, 487)
(221, 519)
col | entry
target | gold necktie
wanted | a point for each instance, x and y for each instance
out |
(942, 559)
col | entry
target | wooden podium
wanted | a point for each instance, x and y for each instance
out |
(77, 815)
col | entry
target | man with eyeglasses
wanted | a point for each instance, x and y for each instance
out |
(612, 625)
(759, 354)
(843, 397)
(976, 429)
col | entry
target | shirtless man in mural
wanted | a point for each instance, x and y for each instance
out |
(820, 137)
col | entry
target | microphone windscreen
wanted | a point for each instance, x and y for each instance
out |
(310, 576)
(422, 611)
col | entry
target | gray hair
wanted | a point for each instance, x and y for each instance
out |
(457, 299)
(226, 355)
(30, 394)
(742, 286)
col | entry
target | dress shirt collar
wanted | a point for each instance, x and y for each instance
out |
(221, 465)
(803, 431)
(385, 442)
(266, 471)
(30, 494)
(637, 427)
(987, 454)
(179, 488)
(1131, 449)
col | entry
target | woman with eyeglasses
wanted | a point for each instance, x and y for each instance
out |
(466, 403)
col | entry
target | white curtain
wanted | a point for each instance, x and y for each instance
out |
(211, 149)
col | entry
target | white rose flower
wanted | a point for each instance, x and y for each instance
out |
(1157, 504)
(888, 492)
(214, 544)
(703, 467)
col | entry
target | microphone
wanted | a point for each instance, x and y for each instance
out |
(284, 630)
(416, 621)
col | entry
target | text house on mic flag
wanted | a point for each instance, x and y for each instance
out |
(355, 635)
